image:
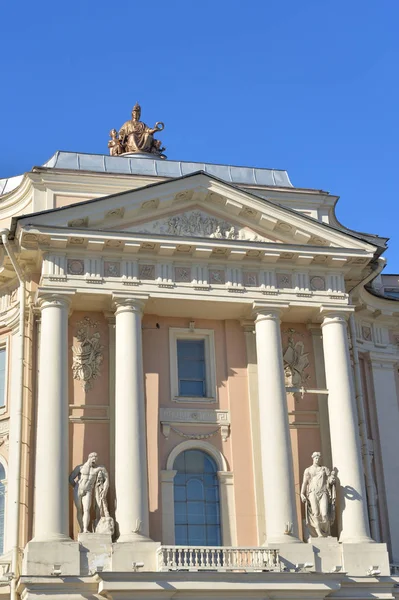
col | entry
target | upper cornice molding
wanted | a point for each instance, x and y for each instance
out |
(199, 189)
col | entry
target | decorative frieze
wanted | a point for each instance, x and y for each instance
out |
(170, 417)
(217, 276)
(112, 269)
(147, 272)
(284, 280)
(317, 283)
(75, 266)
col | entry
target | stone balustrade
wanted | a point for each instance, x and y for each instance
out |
(217, 558)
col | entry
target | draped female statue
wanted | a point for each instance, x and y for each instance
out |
(318, 493)
(136, 137)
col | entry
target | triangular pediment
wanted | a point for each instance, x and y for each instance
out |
(197, 206)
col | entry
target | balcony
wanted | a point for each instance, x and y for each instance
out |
(217, 558)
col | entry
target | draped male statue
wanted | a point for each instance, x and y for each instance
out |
(90, 486)
(318, 493)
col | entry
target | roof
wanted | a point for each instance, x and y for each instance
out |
(155, 167)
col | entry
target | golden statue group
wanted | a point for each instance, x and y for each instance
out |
(136, 137)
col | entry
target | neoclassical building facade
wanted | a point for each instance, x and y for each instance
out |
(207, 331)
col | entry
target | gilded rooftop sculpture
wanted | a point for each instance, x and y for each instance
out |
(135, 137)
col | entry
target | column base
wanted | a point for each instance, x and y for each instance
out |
(125, 554)
(95, 552)
(46, 557)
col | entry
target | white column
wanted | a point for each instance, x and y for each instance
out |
(383, 370)
(131, 478)
(344, 430)
(278, 477)
(52, 454)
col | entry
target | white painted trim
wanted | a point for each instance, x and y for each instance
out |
(218, 457)
(168, 507)
(5, 345)
(4, 463)
(180, 333)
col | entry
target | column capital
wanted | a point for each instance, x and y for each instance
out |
(54, 297)
(270, 311)
(129, 302)
(248, 325)
(335, 314)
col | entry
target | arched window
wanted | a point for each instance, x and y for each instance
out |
(2, 506)
(196, 499)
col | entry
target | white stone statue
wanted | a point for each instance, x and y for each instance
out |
(318, 493)
(90, 486)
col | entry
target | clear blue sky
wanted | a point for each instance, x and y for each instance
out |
(311, 87)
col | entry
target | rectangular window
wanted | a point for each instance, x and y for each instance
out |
(192, 365)
(3, 357)
(191, 368)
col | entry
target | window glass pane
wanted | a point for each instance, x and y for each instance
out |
(196, 513)
(191, 370)
(180, 493)
(200, 513)
(181, 535)
(211, 495)
(194, 461)
(209, 465)
(196, 535)
(195, 490)
(180, 512)
(191, 388)
(2, 376)
(191, 349)
(191, 367)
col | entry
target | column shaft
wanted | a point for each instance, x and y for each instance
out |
(344, 431)
(131, 478)
(278, 478)
(51, 474)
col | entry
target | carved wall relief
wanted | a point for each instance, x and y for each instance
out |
(296, 361)
(87, 354)
(197, 224)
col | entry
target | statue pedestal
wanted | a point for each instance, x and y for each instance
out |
(327, 554)
(140, 155)
(293, 555)
(124, 554)
(95, 552)
(44, 557)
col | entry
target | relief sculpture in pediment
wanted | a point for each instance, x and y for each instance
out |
(198, 224)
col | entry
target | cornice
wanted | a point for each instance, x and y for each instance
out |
(253, 210)
(89, 241)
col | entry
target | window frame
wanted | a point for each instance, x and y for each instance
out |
(208, 336)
